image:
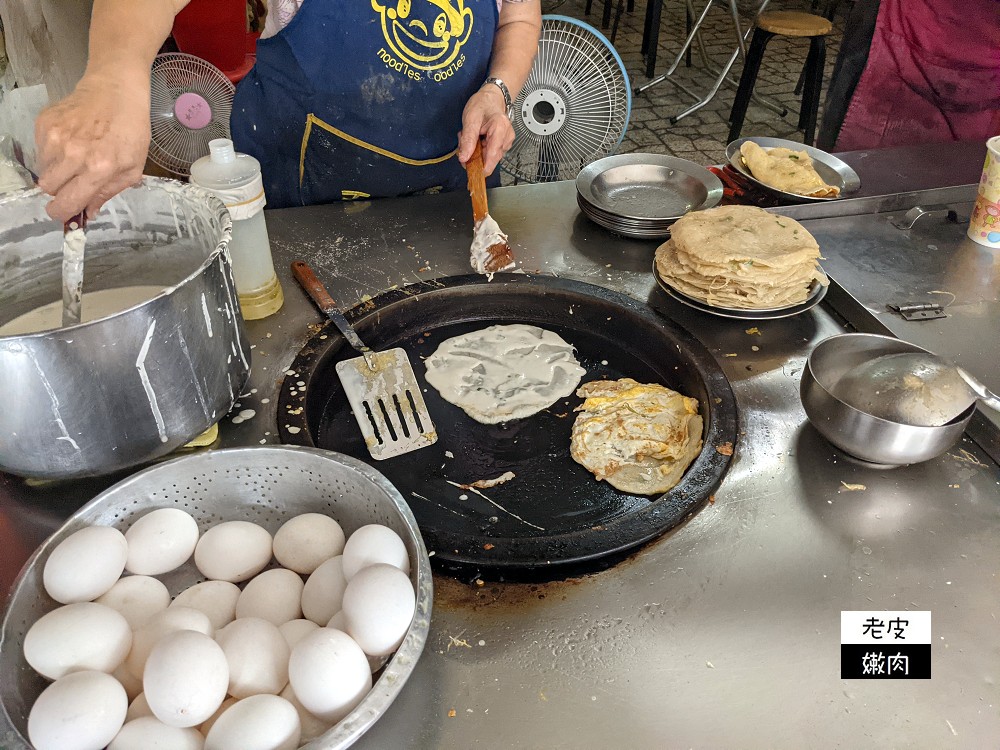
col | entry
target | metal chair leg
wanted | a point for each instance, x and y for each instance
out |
(813, 87)
(654, 36)
(751, 67)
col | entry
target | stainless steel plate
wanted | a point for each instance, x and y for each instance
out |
(830, 168)
(625, 227)
(652, 187)
(817, 292)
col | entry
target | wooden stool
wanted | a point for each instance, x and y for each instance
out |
(785, 23)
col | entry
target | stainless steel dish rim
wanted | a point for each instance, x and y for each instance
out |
(851, 181)
(383, 691)
(965, 416)
(713, 184)
(816, 295)
(217, 206)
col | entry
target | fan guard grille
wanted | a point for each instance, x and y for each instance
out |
(574, 107)
(174, 145)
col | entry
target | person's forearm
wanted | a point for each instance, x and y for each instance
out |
(516, 43)
(125, 35)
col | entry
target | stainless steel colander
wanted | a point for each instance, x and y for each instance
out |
(266, 485)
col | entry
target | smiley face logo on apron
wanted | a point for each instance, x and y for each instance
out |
(425, 34)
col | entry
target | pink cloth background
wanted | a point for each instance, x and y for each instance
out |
(933, 75)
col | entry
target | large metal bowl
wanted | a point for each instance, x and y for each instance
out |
(266, 485)
(108, 395)
(861, 435)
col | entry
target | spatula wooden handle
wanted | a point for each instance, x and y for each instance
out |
(313, 286)
(477, 184)
(315, 289)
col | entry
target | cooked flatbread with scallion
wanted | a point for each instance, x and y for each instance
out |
(786, 170)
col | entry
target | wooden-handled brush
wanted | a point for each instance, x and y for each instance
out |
(490, 251)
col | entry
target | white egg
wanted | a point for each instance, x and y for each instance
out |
(160, 541)
(85, 564)
(260, 722)
(324, 590)
(257, 654)
(137, 597)
(312, 727)
(274, 595)
(131, 683)
(378, 605)
(338, 621)
(372, 544)
(295, 630)
(77, 637)
(329, 673)
(81, 711)
(217, 599)
(149, 733)
(233, 551)
(185, 679)
(170, 620)
(137, 708)
(210, 721)
(307, 540)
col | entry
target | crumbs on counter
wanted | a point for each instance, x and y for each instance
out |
(726, 449)
(853, 487)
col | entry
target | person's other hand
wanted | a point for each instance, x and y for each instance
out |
(485, 116)
(92, 144)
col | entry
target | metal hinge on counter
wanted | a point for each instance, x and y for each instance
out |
(916, 213)
(927, 311)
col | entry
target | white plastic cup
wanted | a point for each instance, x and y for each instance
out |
(984, 226)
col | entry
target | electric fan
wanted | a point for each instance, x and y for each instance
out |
(190, 102)
(574, 107)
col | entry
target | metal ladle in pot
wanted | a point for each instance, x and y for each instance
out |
(74, 246)
(914, 388)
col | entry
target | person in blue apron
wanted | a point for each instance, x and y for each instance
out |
(346, 100)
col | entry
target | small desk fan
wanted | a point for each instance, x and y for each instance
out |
(190, 102)
(574, 107)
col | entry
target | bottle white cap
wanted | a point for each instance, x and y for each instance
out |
(222, 151)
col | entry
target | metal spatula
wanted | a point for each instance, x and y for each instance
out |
(380, 386)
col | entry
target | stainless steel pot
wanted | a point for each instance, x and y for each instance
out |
(113, 393)
(875, 440)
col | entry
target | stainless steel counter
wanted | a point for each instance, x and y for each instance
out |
(725, 633)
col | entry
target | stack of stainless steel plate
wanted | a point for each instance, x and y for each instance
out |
(641, 195)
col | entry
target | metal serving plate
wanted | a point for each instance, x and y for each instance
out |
(650, 187)
(817, 292)
(639, 230)
(830, 168)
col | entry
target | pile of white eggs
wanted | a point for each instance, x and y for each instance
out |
(267, 666)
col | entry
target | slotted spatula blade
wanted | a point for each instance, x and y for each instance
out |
(380, 386)
(387, 403)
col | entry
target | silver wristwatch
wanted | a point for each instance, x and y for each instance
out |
(506, 96)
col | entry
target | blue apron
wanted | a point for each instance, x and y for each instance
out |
(356, 99)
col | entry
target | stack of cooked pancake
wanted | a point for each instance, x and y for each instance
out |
(740, 257)
(638, 437)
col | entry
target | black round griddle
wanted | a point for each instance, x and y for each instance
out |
(568, 521)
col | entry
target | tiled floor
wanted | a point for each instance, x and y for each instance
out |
(702, 136)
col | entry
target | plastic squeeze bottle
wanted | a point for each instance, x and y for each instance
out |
(235, 179)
